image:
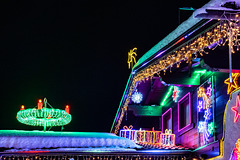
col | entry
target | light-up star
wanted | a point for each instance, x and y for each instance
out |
(175, 94)
(234, 85)
(202, 126)
(207, 114)
(236, 109)
(209, 90)
(211, 128)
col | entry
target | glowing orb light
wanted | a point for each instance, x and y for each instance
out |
(137, 97)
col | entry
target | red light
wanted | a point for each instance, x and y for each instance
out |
(67, 109)
(22, 107)
(40, 104)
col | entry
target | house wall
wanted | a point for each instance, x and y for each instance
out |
(190, 137)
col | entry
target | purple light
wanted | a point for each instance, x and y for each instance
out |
(202, 128)
(169, 110)
(209, 90)
(190, 119)
(159, 54)
(200, 105)
(207, 114)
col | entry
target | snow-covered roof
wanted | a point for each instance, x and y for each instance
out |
(186, 25)
(19, 139)
(216, 5)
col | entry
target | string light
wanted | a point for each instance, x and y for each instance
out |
(204, 104)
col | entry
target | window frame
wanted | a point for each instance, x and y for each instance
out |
(169, 110)
(190, 111)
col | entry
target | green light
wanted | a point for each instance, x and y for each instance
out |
(46, 117)
(200, 71)
(167, 95)
(211, 128)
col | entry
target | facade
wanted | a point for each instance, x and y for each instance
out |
(183, 85)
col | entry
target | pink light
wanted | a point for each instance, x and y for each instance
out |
(169, 110)
(235, 109)
(189, 102)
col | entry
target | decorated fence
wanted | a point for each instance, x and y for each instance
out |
(149, 137)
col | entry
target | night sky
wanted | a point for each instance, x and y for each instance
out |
(75, 53)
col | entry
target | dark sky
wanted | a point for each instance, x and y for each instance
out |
(75, 52)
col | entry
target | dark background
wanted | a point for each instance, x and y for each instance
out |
(75, 52)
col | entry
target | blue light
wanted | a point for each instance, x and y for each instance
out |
(137, 97)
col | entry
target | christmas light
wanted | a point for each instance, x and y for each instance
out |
(236, 109)
(131, 57)
(200, 105)
(209, 90)
(218, 35)
(207, 101)
(204, 105)
(137, 97)
(149, 137)
(203, 128)
(168, 93)
(22, 107)
(234, 85)
(175, 93)
(46, 117)
(67, 109)
(40, 104)
(237, 150)
(211, 128)
(207, 114)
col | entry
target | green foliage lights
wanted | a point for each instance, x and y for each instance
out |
(46, 117)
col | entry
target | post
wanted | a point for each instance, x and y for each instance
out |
(230, 54)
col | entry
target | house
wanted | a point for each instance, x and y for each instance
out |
(182, 101)
(188, 84)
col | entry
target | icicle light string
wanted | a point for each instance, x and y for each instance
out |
(218, 35)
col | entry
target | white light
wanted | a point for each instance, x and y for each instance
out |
(137, 97)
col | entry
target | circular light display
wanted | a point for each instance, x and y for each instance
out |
(137, 97)
(46, 117)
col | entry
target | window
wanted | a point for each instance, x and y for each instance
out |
(167, 120)
(184, 112)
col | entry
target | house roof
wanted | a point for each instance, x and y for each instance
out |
(189, 31)
(28, 140)
(197, 16)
